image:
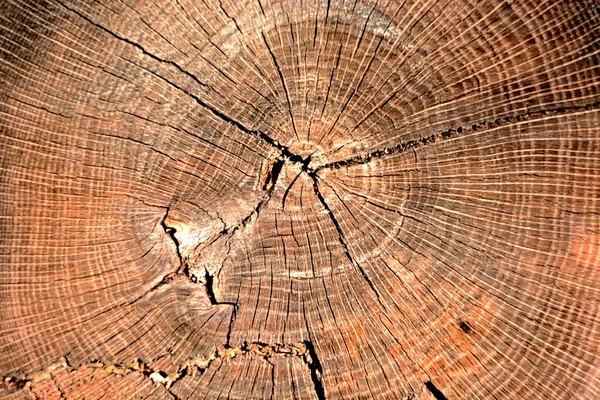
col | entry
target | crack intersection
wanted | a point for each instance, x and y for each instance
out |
(305, 351)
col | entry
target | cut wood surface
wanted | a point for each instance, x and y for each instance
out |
(313, 199)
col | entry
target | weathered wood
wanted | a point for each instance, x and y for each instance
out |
(316, 199)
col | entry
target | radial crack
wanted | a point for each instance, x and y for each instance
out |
(285, 88)
(452, 133)
(224, 117)
(135, 44)
(341, 236)
(207, 280)
(182, 268)
(316, 371)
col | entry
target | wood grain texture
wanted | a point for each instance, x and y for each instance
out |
(300, 199)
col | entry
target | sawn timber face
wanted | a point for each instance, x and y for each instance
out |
(300, 200)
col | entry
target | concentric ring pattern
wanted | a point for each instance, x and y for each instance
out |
(300, 199)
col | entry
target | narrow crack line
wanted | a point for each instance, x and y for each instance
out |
(452, 133)
(207, 280)
(232, 319)
(273, 381)
(170, 231)
(206, 277)
(259, 207)
(285, 88)
(136, 45)
(288, 189)
(341, 237)
(268, 183)
(231, 18)
(182, 269)
(60, 392)
(173, 395)
(284, 150)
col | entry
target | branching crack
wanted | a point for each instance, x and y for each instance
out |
(207, 279)
(170, 231)
(19, 381)
(27, 380)
(135, 44)
(356, 160)
(305, 351)
(284, 150)
(182, 268)
(248, 218)
(283, 84)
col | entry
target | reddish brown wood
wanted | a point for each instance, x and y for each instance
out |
(322, 199)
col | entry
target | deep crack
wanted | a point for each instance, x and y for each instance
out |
(435, 391)
(230, 326)
(304, 350)
(316, 370)
(284, 150)
(208, 284)
(207, 280)
(356, 160)
(270, 174)
(182, 268)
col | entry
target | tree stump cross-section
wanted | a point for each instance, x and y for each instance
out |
(293, 199)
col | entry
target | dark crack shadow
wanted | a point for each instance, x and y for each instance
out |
(316, 370)
(435, 391)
